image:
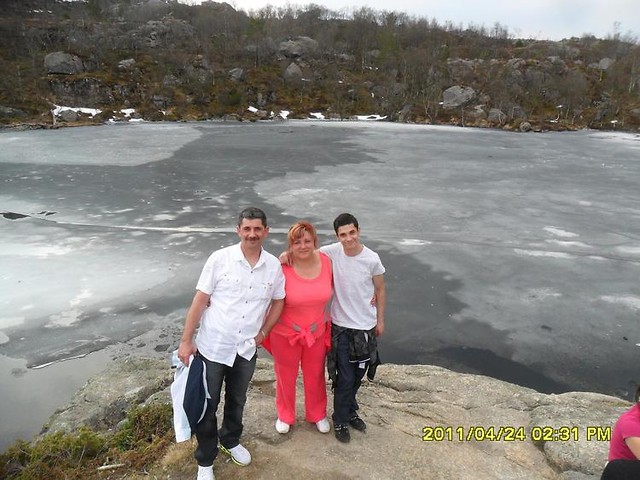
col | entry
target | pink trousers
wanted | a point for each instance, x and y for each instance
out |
(287, 361)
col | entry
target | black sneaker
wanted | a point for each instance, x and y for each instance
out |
(342, 432)
(357, 423)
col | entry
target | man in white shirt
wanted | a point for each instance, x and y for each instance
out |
(358, 276)
(238, 299)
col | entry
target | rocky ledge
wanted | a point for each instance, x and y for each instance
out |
(423, 422)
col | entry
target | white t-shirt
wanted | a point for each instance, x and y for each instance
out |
(353, 286)
(240, 298)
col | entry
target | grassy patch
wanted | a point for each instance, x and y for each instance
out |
(143, 438)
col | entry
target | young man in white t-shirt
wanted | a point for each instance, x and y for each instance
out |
(358, 276)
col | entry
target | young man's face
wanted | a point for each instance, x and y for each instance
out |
(252, 233)
(349, 237)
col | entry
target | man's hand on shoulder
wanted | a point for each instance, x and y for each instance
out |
(285, 258)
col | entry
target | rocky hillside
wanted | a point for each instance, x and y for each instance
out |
(424, 422)
(162, 60)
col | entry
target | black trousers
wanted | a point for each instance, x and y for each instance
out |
(621, 470)
(348, 381)
(236, 383)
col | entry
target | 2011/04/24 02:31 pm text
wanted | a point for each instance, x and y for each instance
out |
(508, 433)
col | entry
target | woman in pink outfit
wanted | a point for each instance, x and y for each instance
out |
(624, 448)
(299, 338)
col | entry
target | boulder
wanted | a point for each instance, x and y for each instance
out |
(605, 63)
(404, 115)
(161, 33)
(258, 115)
(557, 65)
(89, 92)
(261, 101)
(160, 101)
(476, 114)
(525, 127)
(298, 47)
(104, 400)
(170, 80)
(200, 61)
(571, 475)
(237, 74)
(293, 73)
(201, 76)
(69, 116)
(461, 71)
(63, 63)
(582, 413)
(516, 63)
(9, 112)
(496, 116)
(126, 64)
(457, 96)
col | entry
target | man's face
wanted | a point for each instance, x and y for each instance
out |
(252, 233)
(348, 236)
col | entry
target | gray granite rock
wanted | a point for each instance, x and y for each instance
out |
(423, 422)
(63, 63)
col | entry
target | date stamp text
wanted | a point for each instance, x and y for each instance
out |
(509, 433)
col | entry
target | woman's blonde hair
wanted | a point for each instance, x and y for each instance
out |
(297, 230)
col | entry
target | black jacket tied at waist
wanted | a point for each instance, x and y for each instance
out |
(363, 347)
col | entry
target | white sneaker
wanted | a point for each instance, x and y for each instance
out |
(323, 425)
(205, 473)
(282, 427)
(239, 455)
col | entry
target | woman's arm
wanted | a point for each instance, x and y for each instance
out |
(634, 445)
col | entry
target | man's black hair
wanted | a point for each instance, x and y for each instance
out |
(344, 219)
(251, 213)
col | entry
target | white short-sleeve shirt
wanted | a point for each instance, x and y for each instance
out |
(353, 286)
(240, 298)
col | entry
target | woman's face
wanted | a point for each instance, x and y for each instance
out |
(303, 247)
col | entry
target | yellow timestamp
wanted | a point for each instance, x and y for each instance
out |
(508, 433)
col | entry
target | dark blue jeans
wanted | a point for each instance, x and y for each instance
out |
(236, 380)
(348, 382)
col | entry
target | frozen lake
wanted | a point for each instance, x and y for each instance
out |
(510, 255)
